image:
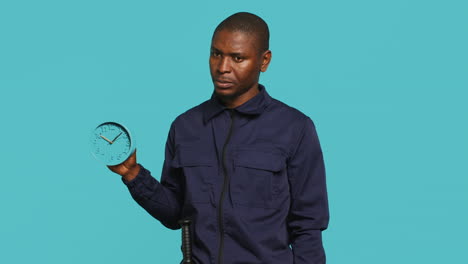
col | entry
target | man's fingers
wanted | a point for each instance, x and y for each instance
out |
(132, 158)
(125, 166)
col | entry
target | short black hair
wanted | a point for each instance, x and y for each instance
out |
(247, 23)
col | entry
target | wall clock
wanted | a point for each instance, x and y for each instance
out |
(111, 143)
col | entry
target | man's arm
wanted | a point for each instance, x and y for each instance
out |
(162, 199)
(308, 214)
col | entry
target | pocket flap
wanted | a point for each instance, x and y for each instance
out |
(260, 159)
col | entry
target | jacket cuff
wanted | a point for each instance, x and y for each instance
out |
(141, 177)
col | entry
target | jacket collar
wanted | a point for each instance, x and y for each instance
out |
(254, 106)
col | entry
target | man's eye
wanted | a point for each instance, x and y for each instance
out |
(238, 59)
(215, 54)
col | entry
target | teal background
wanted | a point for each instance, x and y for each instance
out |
(384, 81)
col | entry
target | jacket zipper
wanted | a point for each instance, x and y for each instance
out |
(223, 191)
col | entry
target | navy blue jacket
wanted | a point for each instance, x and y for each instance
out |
(251, 179)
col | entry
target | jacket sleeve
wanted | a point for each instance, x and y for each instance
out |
(162, 199)
(309, 214)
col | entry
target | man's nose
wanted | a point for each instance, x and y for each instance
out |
(224, 65)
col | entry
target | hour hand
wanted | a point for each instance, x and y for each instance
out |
(106, 139)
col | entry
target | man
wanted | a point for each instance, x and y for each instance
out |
(245, 168)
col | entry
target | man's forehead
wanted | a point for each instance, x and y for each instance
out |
(234, 40)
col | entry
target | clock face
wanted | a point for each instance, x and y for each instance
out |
(111, 143)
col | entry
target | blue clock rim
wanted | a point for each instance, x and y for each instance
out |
(132, 141)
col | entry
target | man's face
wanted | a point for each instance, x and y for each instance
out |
(235, 63)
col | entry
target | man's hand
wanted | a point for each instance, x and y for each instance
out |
(128, 169)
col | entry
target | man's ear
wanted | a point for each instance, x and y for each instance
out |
(266, 58)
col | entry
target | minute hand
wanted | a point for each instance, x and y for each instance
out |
(116, 137)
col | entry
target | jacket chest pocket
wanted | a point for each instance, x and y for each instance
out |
(259, 178)
(197, 168)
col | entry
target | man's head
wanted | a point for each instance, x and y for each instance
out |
(239, 52)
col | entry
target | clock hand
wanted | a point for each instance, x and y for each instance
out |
(116, 137)
(110, 142)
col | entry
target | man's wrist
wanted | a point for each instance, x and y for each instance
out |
(131, 173)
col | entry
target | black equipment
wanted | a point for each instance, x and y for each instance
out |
(186, 241)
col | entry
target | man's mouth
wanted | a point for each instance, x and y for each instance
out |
(222, 83)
